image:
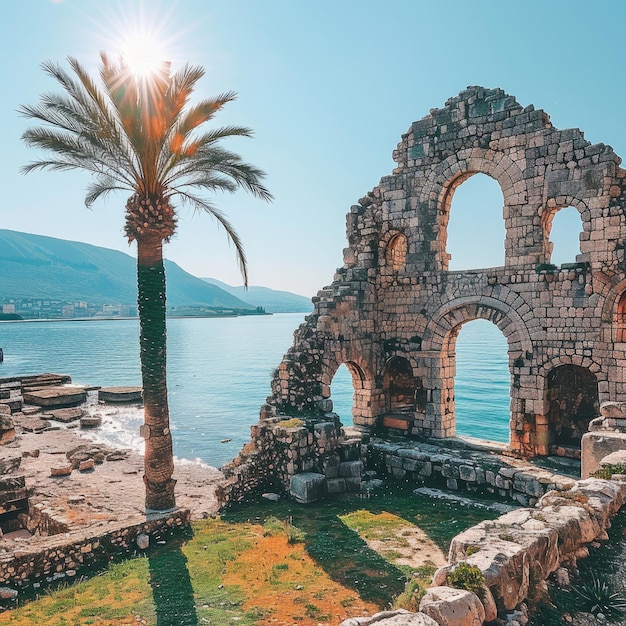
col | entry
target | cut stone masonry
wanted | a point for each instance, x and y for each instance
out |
(393, 311)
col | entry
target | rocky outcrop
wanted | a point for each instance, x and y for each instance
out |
(392, 618)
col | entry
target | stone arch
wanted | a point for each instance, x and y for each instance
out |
(459, 310)
(547, 212)
(445, 177)
(362, 383)
(395, 252)
(439, 343)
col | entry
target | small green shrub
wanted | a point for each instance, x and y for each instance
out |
(273, 526)
(410, 598)
(608, 470)
(471, 550)
(546, 267)
(468, 577)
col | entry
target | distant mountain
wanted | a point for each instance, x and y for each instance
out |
(34, 266)
(271, 300)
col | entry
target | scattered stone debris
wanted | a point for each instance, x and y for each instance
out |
(64, 415)
(91, 421)
(273, 497)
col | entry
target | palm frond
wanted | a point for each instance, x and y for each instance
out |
(200, 205)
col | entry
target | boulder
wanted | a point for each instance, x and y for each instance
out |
(453, 607)
(399, 617)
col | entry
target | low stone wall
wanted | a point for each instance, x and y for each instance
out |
(464, 469)
(516, 553)
(281, 448)
(44, 560)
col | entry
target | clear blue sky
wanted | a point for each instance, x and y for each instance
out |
(328, 86)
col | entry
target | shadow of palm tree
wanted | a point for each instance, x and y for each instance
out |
(172, 591)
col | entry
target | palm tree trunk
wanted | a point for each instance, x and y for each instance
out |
(158, 460)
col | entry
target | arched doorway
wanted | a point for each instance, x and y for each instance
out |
(404, 395)
(482, 383)
(572, 403)
(342, 394)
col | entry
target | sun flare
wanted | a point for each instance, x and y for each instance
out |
(143, 56)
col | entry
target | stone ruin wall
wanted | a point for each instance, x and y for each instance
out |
(394, 310)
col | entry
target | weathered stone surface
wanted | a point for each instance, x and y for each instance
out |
(307, 487)
(453, 607)
(56, 397)
(91, 421)
(120, 394)
(391, 618)
(63, 415)
(597, 445)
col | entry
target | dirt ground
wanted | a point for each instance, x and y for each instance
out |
(112, 491)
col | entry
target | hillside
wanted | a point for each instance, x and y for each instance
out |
(34, 266)
(271, 300)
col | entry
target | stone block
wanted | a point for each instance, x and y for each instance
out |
(597, 445)
(467, 473)
(353, 484)
(453, 607)
(351, 469)
(336, 485)
(307, 487)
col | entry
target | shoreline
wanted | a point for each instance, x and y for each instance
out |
(111, 493)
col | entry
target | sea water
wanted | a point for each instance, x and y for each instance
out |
(219, 373)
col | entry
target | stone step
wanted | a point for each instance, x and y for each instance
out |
(55, 397)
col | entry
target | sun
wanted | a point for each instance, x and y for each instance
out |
(143, 55)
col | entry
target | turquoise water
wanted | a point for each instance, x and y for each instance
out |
(219, 373)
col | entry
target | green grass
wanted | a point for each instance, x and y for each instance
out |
(215, 572)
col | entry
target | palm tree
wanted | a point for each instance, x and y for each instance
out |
(141, 134)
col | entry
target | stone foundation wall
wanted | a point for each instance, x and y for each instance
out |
(60, 556)
(422, 463)
(281, 448)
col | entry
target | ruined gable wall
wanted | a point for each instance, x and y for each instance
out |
(394, 298)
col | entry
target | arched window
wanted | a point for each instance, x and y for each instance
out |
(396, 252)
(475, 231)
(562, 227)
(620, 322)
(482, 382)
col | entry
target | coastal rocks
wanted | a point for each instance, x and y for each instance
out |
(63, 415)
(56, 397)
(59, 471)
(31, 424)
(7, 430)
(120, 394)
(399, 617)
(94, 451)
(453, 607)
(91, 421)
